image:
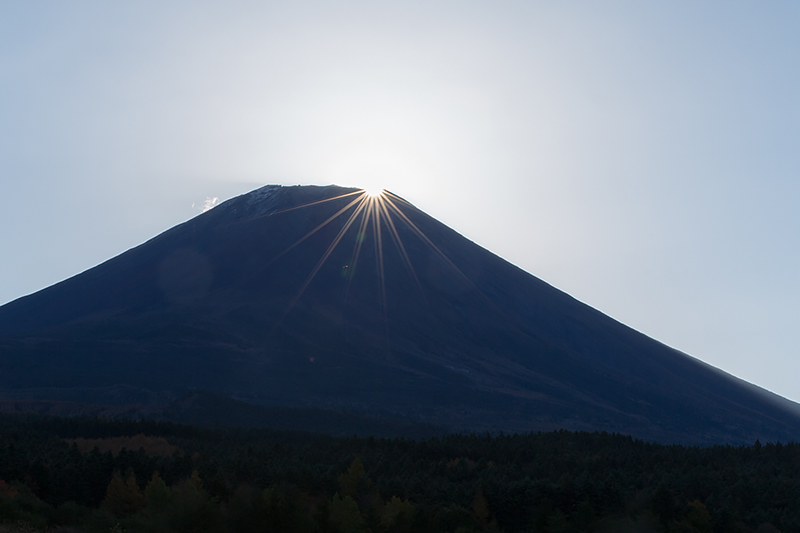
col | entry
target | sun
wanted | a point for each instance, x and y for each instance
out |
(373, 192)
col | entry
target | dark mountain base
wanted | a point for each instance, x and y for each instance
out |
(210, 410)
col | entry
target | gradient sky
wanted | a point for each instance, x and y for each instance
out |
(642, 156)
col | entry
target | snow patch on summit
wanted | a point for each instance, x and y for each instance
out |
(263, 200)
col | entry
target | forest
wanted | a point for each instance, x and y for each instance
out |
(96, 475)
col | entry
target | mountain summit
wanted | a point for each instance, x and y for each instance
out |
(332, 298)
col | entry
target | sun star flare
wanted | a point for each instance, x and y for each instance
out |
(373, 192)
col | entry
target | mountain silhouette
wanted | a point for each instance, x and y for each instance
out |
(327, 298)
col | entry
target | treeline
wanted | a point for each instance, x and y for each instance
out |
(184, 478)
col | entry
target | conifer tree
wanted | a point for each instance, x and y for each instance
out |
(344, 514)
(157, 494)
(355, 480)
(124, 497)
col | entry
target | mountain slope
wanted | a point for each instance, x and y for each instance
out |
(403, 318)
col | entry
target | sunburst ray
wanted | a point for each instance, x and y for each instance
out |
(376, 225)
(319, 227)
(398, 242)
(433, 246)
(361, 236)
(317, 202)
(325, 256)
(424, 237)
(376, 220)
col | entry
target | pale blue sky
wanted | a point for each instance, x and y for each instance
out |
(642, 156)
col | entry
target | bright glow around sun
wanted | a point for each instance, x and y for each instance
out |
(373, 192)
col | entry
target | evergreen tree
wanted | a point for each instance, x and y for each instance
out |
(123, 497)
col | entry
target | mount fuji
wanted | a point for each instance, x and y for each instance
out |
(332, 300)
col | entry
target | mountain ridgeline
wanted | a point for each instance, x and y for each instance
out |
(331, 300)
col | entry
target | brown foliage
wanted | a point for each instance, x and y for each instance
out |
(153, 446)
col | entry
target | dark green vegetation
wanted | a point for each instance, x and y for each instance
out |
(262, 480)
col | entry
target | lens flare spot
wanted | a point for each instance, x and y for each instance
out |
(373, 192)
